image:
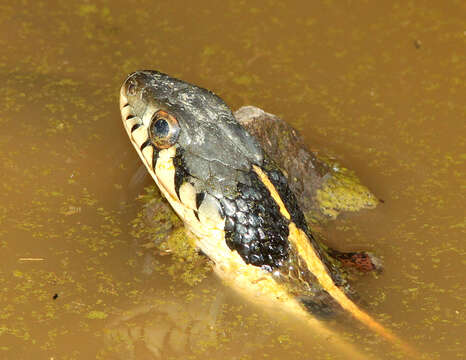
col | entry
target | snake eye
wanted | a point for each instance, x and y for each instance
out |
(164, 130)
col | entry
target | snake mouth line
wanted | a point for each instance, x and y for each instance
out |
(137, 134)
(127, 112)
(139, 137)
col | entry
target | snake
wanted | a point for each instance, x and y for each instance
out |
(233, 199)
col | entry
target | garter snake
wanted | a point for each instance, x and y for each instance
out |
(232, 197)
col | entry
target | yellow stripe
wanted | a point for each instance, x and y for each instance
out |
(315, 265)
(301, 242)
(273, 192)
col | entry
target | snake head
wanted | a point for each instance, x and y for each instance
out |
(166, 113)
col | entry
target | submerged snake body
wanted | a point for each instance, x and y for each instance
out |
(235, 200)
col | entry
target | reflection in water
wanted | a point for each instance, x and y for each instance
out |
(166, 327)
(206, 324)
(378, 85)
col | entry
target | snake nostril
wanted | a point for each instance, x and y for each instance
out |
(131, 87)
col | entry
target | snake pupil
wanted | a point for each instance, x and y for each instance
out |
(161, 128)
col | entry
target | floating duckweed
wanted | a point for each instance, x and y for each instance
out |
(94, 314)
(188, 266)
(17, 273)
(157, 224)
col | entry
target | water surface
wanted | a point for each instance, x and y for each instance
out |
(380, 86)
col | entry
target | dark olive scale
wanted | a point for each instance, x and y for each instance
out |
(242, 218)
(196, 214)
(199, 199)
(257, 259)
(229, 224)
(180, 170)
(255, 227)
(248, 192)
(241, 229)
(261, 233)
(155, 156)
(229, 207)
(250, 236)
(135, 127)
(254, 220)
(237, 240)
(145, 144)
(155, 153)
(241, 204)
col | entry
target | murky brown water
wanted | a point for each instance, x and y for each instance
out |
(379, 85)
